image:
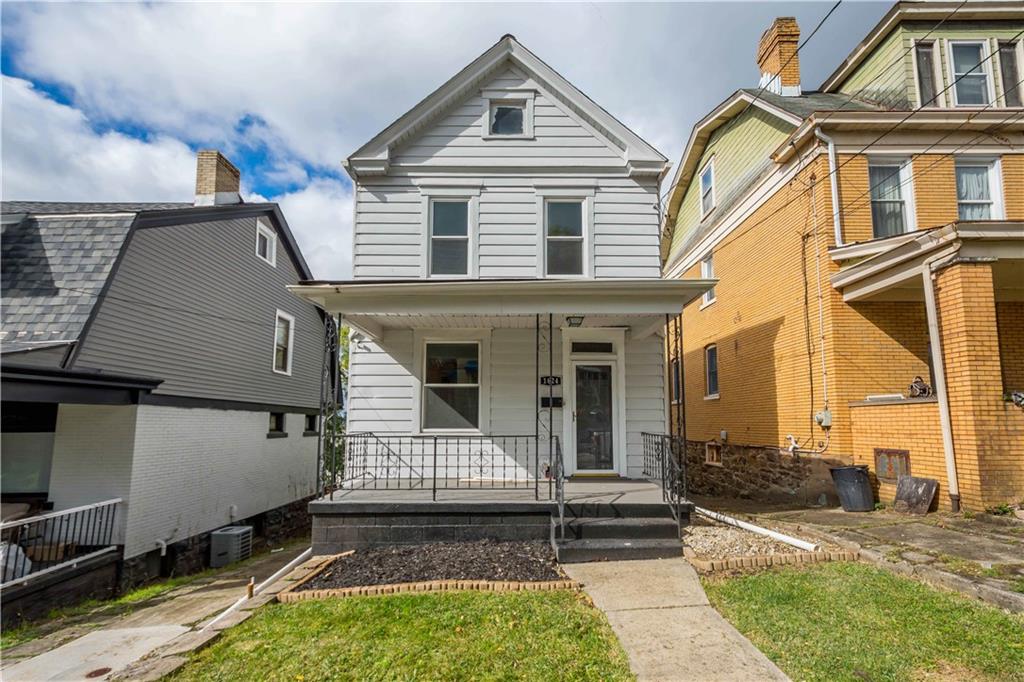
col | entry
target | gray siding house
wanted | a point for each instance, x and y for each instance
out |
(152, 354)
(507, 305)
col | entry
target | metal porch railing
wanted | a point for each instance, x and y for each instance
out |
(51, 542)
(445, 462)
(665, 464)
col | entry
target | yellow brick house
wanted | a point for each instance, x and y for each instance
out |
(868, 241)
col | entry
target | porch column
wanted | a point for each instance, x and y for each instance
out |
(985, 430)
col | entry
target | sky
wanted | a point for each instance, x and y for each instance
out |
(109, 101)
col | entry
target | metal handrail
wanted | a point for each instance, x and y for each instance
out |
(665, 464)
(559, 474)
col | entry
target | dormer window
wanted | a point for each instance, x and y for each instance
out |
(1009, 69)
(707, 189)
(509, 114)
(970, 75)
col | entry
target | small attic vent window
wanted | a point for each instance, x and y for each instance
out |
(507, 118)
(509, 114)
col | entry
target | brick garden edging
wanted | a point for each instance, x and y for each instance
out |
(291, 594)
(768, 560)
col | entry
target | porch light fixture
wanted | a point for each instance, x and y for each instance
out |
(574, 320)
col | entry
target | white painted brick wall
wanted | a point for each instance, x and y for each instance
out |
(192, 465)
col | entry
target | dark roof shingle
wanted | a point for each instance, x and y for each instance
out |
(806, 104)
(86, 207)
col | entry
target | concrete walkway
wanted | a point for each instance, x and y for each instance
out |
(668, 628)
(120, 642)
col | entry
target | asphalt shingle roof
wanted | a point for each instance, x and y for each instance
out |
(83, 207)
(53, 271)
(806, 104)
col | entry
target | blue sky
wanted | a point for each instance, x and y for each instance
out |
(109, 101)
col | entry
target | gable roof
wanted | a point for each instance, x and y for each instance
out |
(373, 158)
(58, 258)
(792, 110)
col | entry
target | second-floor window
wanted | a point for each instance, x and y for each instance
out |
(707, 271)
(284, 331)
(969, 73)
(890, 188)
(1009, 69)
(564, 238)
(977, 190)
(266, 242)
(449, 237)
(924, 53)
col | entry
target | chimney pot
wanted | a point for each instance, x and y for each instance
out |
(778, 59)
(217, 179)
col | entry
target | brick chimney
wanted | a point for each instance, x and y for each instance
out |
(217, 179)
(777, 57)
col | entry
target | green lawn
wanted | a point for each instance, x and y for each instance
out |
(444, 636)
(848, 621)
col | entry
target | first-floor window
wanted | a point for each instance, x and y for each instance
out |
(449, 237)
(711, 371)
(975, 198)
(451, 385)
(889, 215)
(564, 237)
(284, 330)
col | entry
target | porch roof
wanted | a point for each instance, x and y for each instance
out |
(498, 297)
(890, 268)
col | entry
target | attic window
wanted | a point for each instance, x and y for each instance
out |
(266, 242)
(509, 114)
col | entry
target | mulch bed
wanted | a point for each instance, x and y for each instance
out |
(483, 560)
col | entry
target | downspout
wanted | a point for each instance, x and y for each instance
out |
(833, 172)
(939, 367)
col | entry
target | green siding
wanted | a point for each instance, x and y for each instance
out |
(741, 151)
(888, 77)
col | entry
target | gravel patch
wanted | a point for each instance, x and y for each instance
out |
(713, 540)
(483, 560)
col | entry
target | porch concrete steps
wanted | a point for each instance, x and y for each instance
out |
(637, 528)
(616, 549)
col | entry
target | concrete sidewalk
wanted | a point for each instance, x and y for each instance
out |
(105, 652)
(668, 628)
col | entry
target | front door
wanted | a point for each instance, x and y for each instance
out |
(594, 417)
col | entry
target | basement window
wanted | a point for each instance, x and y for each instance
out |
(891, 464)
(713, 454)
(266, 242)
(275, 428)
(311, 425)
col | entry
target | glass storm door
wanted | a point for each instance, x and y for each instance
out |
(594, 414)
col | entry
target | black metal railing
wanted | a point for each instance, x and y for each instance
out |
(665, 464)
(444, 462)
(558, 474)
(50, 542)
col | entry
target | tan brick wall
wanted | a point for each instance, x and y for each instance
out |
(988, 432)
(1013, 181)
(934, 189)
(1010, 319)
(911, 426)
(214, 173)
(778, 50)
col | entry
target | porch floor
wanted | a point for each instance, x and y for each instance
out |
(577, 491)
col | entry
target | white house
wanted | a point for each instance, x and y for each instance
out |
(507, 295)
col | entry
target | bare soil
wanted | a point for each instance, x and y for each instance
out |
(483, 560)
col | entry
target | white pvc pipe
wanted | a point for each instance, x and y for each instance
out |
(802, 544)
(259, 588)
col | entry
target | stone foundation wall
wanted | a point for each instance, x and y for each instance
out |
(761, 473)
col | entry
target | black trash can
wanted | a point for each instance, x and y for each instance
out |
(854, 487)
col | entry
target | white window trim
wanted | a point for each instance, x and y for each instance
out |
(281, 315)
(711, 295)
(711, 396)
(271, 235)
(936, 74)
(481, 337)
(986, 67)
(906, 188)
(700, 189)
(556, 194)
(495, 97)
(469, 193)
(707, 451)
(995, 181)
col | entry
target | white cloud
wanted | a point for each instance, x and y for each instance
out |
(51, 152)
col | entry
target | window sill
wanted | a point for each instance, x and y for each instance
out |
(712, 464)
(711, 397)
(277, 434)
(705, 304)
(309, 434)
(282, 373)
(492, 136)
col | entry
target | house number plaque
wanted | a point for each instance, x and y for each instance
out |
(551, 381)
